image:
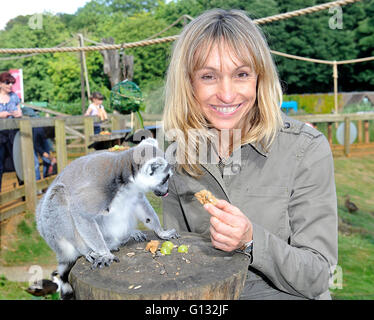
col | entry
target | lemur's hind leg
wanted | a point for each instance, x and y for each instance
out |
(98, 253)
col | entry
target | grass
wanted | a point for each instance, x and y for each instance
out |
(10, 290)
(353, 176)
(28, 248)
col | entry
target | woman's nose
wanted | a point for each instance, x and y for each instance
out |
(226, 90)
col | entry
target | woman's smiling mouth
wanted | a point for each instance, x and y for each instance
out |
(226, 110)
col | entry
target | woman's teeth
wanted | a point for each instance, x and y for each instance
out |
(226, 110)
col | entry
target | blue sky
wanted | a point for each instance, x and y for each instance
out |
(13, 8)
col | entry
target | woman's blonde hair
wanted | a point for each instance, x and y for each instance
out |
(235, 30)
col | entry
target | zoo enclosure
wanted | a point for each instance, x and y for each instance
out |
(118, 122)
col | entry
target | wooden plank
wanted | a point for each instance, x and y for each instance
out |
(12, 211)
(28, 165)
(61, 153)
(78, 120)
(108, 137)
(329, 132)
(347, 129)
(45, 183)
(359, 131)
(12, 195)
(88, 131)
(118, 122)
(366, 130)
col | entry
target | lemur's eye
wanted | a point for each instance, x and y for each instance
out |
(154, 167)
(148, 220)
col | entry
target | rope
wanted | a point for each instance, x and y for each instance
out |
(278, 53)
(32, 54)
(172, 38)
(308, 10)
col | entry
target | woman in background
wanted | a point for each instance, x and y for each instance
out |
(9, 108)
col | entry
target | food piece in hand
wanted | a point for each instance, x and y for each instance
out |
(205, 196)
(152, 246)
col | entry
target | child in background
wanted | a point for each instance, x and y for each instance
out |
(97, 109)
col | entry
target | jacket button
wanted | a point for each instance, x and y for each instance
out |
(287, 125)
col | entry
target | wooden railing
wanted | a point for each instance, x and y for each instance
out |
(363, 129)
(25, 125)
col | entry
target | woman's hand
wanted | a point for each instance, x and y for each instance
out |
(229, 227)
(17, 113)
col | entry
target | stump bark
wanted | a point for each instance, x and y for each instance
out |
(204, 273)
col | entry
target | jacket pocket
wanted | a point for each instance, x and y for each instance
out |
(267, 206)
(270, 191)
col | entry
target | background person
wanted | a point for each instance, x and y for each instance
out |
(96, 108)
(278, 203)
(9, 108)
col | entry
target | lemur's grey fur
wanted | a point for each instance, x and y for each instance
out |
(93, 205)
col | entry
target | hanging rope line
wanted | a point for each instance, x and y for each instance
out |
(32, 54)
(301, 12)
(291, 56)
(172, 38)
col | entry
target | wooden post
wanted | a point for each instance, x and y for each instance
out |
(329, 132)
(118, 122)
(346, 135)
(88, 131)
(359, 128)
(28, 164)
(83, 56)
(61, 151)
(366, 130)
(83, 95)
(335, 75)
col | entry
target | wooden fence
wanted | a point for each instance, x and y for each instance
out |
(63, 125)
(25, 125)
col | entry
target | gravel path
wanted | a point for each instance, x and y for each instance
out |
(27, 273)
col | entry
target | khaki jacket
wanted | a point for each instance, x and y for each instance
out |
(289, 196)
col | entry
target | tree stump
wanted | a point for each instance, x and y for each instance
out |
(203, 273)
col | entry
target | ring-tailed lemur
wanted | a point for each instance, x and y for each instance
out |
(93, 205)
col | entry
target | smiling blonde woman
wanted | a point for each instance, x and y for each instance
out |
(274, 178)
(238, 34)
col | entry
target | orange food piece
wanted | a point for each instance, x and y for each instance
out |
(152, 246)
(205, 196)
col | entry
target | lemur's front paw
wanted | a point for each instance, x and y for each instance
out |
(138, 236)
(101, 260)
(168, 234)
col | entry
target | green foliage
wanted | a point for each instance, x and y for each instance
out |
(126, 97)
(314, 103)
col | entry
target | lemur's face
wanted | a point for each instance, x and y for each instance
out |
(158, 172)
(154, 171)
